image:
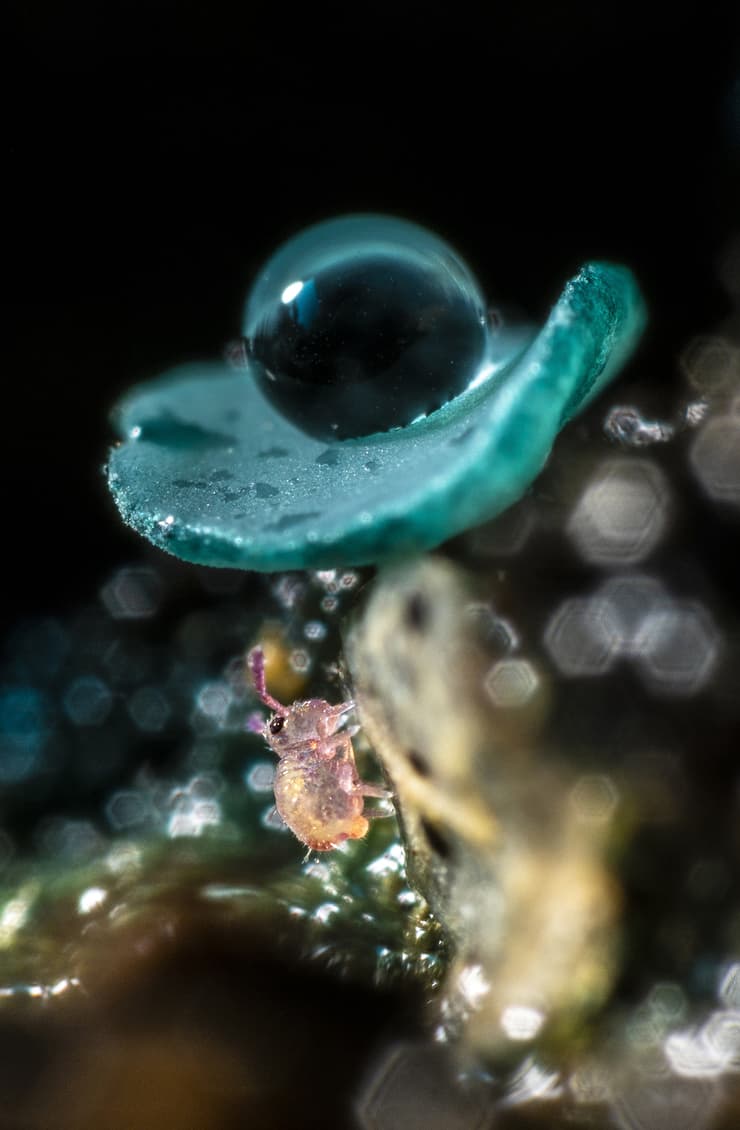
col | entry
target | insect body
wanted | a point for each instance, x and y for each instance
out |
(318, 791)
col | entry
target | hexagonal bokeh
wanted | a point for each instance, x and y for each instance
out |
(582, 637)
(677, 648)
(668, 1102)
(417, 1087)
(622, 514)
(630, 597)
(88, 701)
(24, 728)
(507, 534)
(511, 683)
(715, 458)
(149, 709)
(729, 989)
(594, 798)
(712, 365)
(133, 593)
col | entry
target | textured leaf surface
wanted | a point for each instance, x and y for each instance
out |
(209, 471)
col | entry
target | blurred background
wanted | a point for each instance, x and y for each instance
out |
(155, 155)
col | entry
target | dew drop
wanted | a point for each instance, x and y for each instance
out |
(364, 323)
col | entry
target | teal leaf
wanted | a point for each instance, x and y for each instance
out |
(209, 470)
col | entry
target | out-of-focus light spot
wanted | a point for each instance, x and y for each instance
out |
(473, 986)
(581, 637)
(272, 819)
(23, 731)
(390, 862)
(91, 899)
(500, 634)
(325, 912)
(677, 648)
(729, 987)
(14, 914)
(521, 1022)
(192, 817)
(418, 1085)
(315, 630)
(594, 798)
(696, 411)
(205, 785)
(667, 1102)
(194, 806)
(88, 701)
(127, 808)
(70, 841)
(506, 535)
(628, 427)
(220, 892)
(622, 514)
(214, 699)
(689, 1054)
(630, 598)
(715, 458)
(123, 859)
(721, 1034)
(712, 366)
(289, 588)
(668, 1000)
(532, 1082)
(512, 683)
(260, 777)
(300, 660)
(149, 709)
(320, 871)
(645, 1028)
(133, 593)
(590, 1084)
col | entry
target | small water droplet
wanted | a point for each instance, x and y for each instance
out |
(168, 430)
(265, 490)
(627, 426)
(287, 521)
(273, 453)
(328, 458)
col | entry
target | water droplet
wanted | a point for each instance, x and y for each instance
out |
(167, 430)
(364, 323)
(627, 426)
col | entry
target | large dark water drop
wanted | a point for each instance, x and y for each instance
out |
(362, 324)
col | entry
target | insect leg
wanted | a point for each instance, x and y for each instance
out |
(377, 813)
(365, 788)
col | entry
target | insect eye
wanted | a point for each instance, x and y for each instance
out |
(276, 724)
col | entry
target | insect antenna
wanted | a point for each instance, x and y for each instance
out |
(256, 664)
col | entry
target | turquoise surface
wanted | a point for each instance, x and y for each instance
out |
(207, 469)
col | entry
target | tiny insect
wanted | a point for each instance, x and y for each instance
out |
(318, 791)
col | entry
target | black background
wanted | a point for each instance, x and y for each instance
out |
(156, 154)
